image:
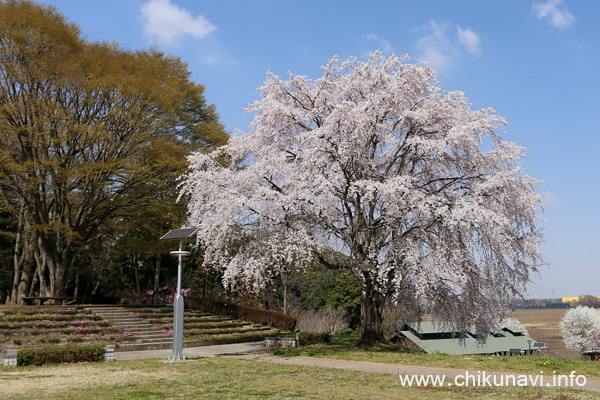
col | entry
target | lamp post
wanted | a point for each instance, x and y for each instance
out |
(178, 305)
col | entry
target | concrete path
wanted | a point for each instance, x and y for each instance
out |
(221, 350)
(453, 377)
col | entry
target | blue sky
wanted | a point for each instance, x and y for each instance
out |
(535, 62)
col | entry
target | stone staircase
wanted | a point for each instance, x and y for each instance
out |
(144, 335)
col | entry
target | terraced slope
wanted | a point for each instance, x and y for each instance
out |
(56, 325)
(201, 329)
(128, 329)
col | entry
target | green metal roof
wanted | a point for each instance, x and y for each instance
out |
(429, 328)
(515, 330)
(427, 340)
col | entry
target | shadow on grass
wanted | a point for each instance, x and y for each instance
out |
(341, 344)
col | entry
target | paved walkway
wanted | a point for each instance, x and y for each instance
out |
(257, 351)
(221, 350)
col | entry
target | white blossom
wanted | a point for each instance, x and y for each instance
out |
(579, 328)
(415, 186)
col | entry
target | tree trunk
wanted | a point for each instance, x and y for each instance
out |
(26, 274)
(34, 282)
(156, 280)
(57, 281)
(371, 308)
(284, 282)
(76, 293)
(40, 273)
(17, 257)
(137, 278)
(98, 281)
(17, 274)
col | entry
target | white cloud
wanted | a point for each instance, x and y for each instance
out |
(436, 48)
(442, 50)
(384, 45)
(170, 23)
(211, 59)
(470, 40)
(549, 10)
(549, 198)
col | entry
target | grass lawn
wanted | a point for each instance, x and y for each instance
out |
(225, 378)
(343, 347)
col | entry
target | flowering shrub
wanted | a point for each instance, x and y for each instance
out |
(579, 328)
(595, 342)
(166, 294)
(87, 330)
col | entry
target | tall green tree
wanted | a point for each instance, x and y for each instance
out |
(88, 130)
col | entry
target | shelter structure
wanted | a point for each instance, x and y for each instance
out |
(593, 354)
(440, 337)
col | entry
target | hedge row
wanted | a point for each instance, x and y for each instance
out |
(59, 354)
(308, 338)
(237, 311)
(55, 317)
(46, 311)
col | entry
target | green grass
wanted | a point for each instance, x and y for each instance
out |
(343, 347)
(224, 378)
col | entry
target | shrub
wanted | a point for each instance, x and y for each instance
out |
(59, 354)
(578, 328)
(595, 342)
(308, 338)
(237, 311)
(166, 294)
(324, 320)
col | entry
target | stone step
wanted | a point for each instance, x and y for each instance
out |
(129, 321)
(147, 336)
(152, 334)
(151, 338)
(136, 323)
(119, 315)
(144, 346)
(142, 330)
(163, 339)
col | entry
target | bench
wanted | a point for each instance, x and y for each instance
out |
(515, 352)
(40, 299)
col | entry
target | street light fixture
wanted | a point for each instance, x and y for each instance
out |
(178, 234)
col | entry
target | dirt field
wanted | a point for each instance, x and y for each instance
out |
(542, 325)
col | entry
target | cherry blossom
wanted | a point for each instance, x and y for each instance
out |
(418, 192)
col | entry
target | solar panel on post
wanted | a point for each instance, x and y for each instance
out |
(184, 233)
